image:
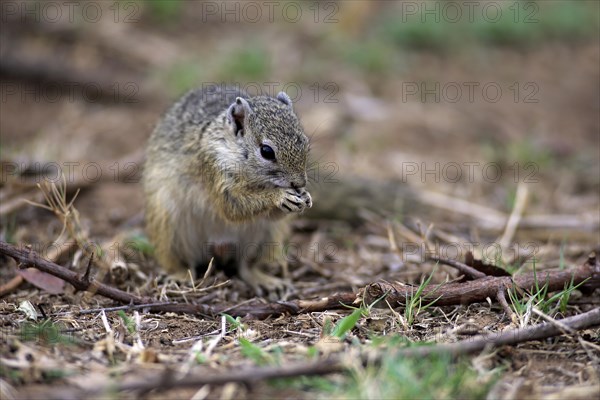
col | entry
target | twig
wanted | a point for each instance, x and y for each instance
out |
(27, 257)
(15, 203)
(489, 217)
(478, 343)
(335, 364)
(197, 289)
(495, 220)
(585, 222)
(78, 182)
(479, 290)
(119, 308)
(514, 219)
(57, 250)
(501, 297)
(11, 285)
(464, 268)
(246, 376)
(209, 271)
(564, 328)
(448, 294)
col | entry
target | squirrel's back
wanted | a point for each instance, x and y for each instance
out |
(197, 108)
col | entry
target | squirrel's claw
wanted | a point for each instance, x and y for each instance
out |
(266, 285)
(294, 201)
(307, 199)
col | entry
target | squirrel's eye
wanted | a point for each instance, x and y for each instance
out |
(267, 152)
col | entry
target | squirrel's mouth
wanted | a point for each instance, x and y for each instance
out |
(270, 184)
(280, 183)
(277, 180)
(280, 180)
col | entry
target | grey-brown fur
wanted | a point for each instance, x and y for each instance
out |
(208, 187)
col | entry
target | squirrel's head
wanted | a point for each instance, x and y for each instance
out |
(272, 141)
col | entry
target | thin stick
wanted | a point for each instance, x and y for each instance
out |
(79, 181)
(11, 205)
(565, 329)
(501, 297)
(490, 218)
(514, 219)
(27, 257)
(477, 290)
(11, 285)
(58, 248)
(119, 308)
(495, 220)
(515, 336)
(464, 268)
(165, 380)
(515, 215)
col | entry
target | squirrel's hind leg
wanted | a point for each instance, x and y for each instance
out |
(270, 255)
(264, 284)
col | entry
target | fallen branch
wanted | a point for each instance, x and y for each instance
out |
(57, 250)
(263, 310)
(335, 364)
(514, 336)
(479, 290)
(28, 258)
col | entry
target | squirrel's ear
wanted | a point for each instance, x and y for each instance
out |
(284, 98)
(237, 114)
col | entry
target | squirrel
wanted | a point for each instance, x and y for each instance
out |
(224, 173)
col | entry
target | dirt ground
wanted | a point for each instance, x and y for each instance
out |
(541, 135)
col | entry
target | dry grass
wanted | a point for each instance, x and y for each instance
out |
(550, 223)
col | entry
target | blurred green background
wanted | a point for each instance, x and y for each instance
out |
(377, 84)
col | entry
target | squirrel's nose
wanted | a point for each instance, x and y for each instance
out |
(298, 183)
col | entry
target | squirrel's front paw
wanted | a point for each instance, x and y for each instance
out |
(306, 198)
(295, 201)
